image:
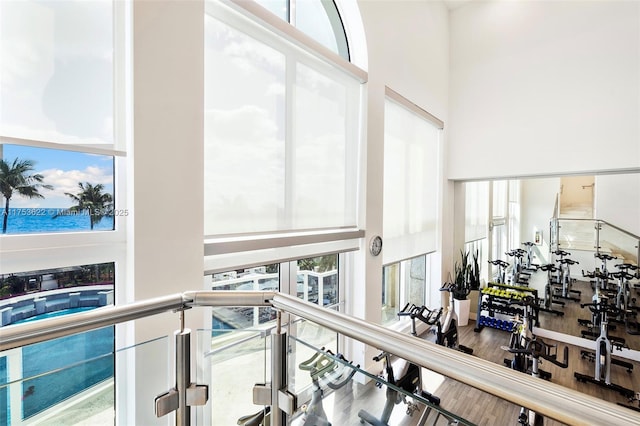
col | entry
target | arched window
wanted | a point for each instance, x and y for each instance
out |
(319, 19)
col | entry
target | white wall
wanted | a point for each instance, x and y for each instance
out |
(618, 201)
(407, 46)
(534, 83)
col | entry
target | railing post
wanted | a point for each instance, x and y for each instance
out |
(185, 394)
(277, 379)
(598, 226)
(553, 235)
(183, 375)
(282, 402)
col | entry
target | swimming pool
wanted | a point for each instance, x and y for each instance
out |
(55, 314)
(58, 369)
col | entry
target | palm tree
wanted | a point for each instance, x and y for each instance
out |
(15, 177)
(91, 200)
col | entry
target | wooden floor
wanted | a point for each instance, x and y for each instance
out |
(568, 323)
(486, 344)
(471, 404)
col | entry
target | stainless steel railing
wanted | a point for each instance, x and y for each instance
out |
(549, 399)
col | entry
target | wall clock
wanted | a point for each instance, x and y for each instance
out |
(375, 245)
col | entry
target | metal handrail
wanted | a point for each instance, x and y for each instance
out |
(629, 234)
(13, 336)
(549, 399)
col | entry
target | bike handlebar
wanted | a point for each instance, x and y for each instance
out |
(625, 266)
(604, 256)
(499, 262)
(622, 274)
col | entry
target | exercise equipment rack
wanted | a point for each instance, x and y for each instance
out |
(497, 298)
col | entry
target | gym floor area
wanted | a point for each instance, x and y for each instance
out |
(476, 406)
(469, 403)
(483, 409)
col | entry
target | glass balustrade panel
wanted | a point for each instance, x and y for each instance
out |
(314, 336)
(70, 381)
(70, 377)
(577, 235)
(144, 372)
(618, 243)
(231, 362)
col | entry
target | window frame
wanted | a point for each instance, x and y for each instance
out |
(251, 248)
(39, 251)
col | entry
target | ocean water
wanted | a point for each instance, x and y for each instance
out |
(41, 220)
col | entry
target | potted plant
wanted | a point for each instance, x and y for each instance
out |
(474, 272)
(466, 277)
(461, 277)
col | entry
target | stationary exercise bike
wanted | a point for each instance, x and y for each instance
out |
(424, 314)
(598, 280)
(261, 418)
(527, 348)
(624, 300)
(518, 276)
(546, 304)
(528, 265)
(326, 368)
(565, 279)
(407, 377)
(502, 270)
(534, 350)
(604, 272)
(604, 346)
(562, 254)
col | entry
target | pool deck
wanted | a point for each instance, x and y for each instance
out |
(94, 406)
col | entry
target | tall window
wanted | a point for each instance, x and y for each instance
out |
(281, 132)
(411, 179)
(404, 283)
(499, 233)
(514, 214)
(476, 222)
(61, 146)
(476, 208)
(58, 119)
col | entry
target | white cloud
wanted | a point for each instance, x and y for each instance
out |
(64, 181)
